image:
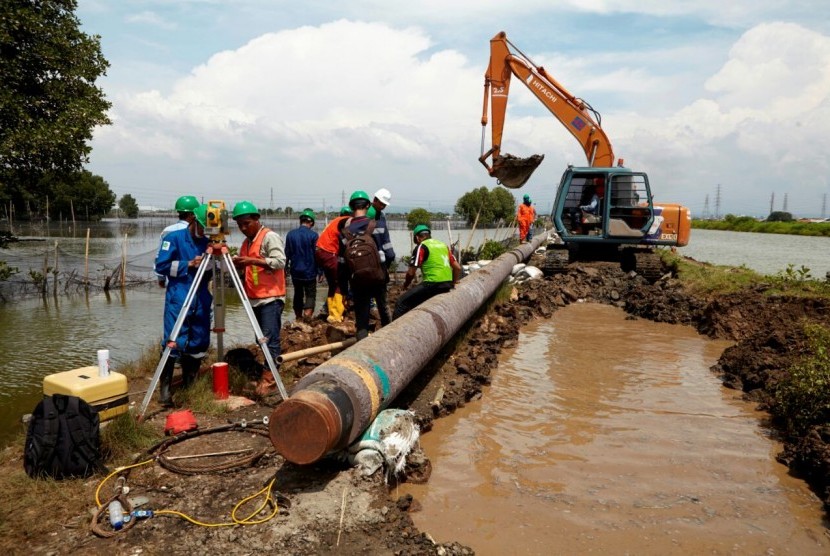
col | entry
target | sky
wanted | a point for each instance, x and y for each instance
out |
(725, 105)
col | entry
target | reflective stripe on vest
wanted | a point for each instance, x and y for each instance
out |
(437, 266)
(261, 282)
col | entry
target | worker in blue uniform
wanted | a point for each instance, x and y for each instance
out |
(178, 260)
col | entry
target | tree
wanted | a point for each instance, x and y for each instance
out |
(128, 206)
(780, 216)
(82, 192)
(417, 216)
(489, 205)
(49, 103)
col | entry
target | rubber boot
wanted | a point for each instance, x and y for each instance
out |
(166, 383)
(335, 311)
(266, 385)
(338, 298)
(190, 370)
(308, 314)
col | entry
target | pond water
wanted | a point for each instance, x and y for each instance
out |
(636, 448)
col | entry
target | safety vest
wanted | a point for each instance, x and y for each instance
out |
(260, 282)
(437, 266)
(329, 239)
(526, 213)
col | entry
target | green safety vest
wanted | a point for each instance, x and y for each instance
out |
(437, 266)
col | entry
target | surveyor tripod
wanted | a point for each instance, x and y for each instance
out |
(225, 262)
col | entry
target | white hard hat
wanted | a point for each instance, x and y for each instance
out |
(384, 196)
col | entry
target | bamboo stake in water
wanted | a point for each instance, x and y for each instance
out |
(55, 282)
(124, 262)
(86, 258)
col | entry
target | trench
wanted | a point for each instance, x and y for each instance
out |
(607, 435)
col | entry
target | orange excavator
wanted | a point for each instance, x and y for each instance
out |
(601, 211)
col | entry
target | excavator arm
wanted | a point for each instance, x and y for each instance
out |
(575, 114)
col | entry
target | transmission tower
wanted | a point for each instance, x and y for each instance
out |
(824, 206)
(706, 208)
(717, 204)
(785, 203)
(772, 202)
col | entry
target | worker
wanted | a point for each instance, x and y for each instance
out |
(440, 271)
(185, 205)
(380, 202)
(328, 247)
(526, 216)
(178, 260)
(300, 245)
(262, 257)
(594, 206)
(363, 291)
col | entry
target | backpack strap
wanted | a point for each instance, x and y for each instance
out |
(49, 440)
(75, 424)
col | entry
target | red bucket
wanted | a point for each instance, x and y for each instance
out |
(220, 381)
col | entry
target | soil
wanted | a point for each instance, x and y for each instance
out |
(329, 507)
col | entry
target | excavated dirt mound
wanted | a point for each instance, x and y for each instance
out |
(328, 508)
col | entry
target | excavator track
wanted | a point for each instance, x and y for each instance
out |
(556, 262)
(648, 265)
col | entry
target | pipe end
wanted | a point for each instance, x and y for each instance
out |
(305, 427)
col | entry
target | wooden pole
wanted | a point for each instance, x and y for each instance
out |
(86, 260)
(314, 350)
(72, 209)
(124, 262)
(44, 285)
(472, 232)
(55, 281)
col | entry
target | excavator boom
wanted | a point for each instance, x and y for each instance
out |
(575, 114)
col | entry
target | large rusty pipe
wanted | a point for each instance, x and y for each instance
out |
(331, 406)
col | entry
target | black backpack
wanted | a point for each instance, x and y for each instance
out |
(362, 256)
(63, 439)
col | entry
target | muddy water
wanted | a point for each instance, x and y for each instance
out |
(604, 435)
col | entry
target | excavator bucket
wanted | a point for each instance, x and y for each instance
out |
(512, 171)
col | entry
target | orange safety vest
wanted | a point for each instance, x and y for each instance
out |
(329, 239)
(526, 213)
(260, 282)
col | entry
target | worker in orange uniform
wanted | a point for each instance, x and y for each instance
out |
(526, 216)
(328, 246)
(262, 257)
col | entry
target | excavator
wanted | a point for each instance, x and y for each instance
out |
(602, 211)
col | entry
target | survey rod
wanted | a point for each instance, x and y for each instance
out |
(330, 407)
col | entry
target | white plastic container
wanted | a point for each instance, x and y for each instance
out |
(103, 363)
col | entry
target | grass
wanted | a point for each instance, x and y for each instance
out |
(708, 279)
(123, 436)
(199, 397)
(748, 224)
(803, 396)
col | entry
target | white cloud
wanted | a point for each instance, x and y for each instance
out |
(151, 18)
(353, 102)
(328, 89)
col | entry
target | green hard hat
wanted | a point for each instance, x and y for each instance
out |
(345, 210)
(244, 208)
(359, 196)
(201, 215)
(526, 197)
(371, 213)
(186, 203)
(308, 213)
(420, 228)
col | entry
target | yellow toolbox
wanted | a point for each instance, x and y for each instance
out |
(108, 395)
